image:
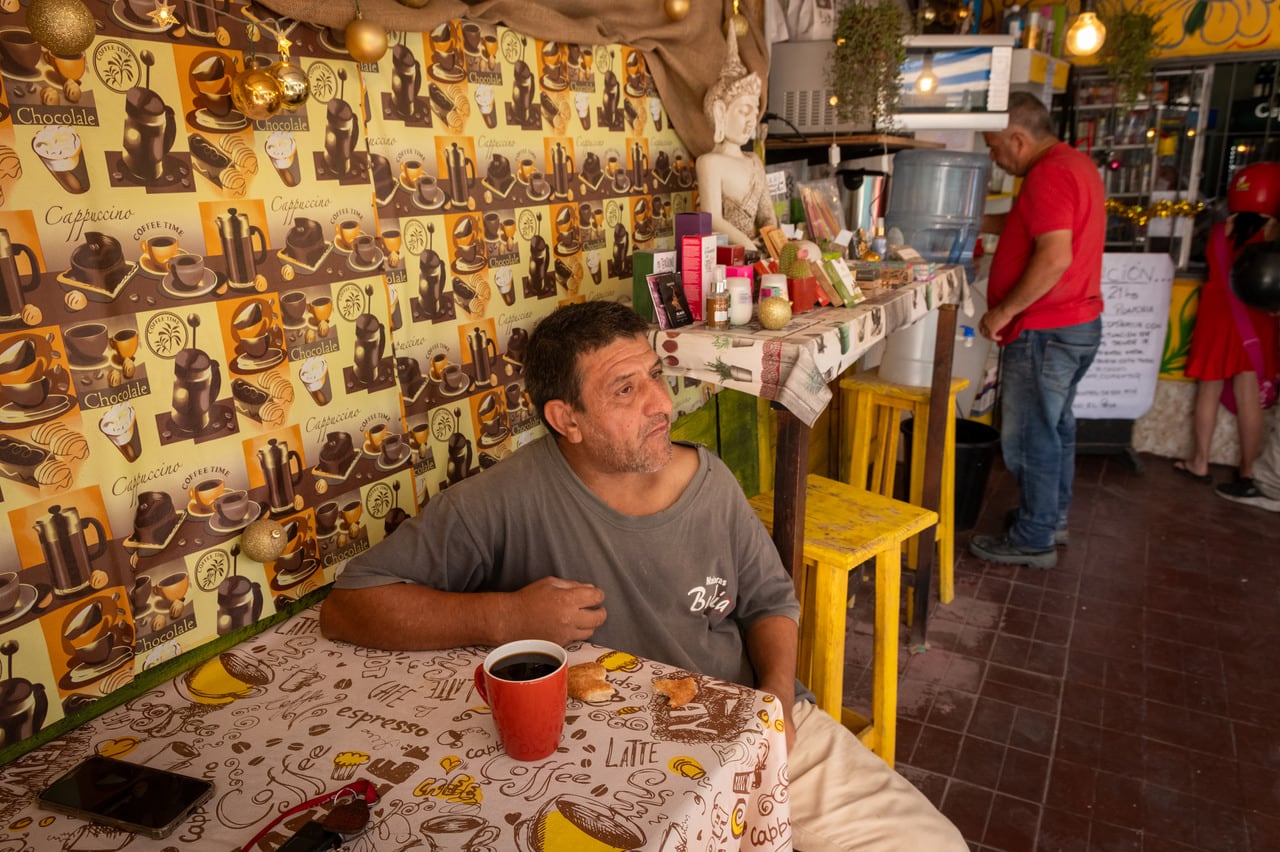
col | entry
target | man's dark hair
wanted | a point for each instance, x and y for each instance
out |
(551, 359)
(1027, 111)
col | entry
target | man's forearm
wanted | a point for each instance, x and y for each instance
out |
(410, 617)
(771, 646)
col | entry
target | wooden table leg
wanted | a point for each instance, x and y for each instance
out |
(790, 471)
(931, 496)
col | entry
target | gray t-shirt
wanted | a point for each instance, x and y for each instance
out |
(681, 586)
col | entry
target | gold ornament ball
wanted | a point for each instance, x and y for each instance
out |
(366, 41)
(63, 27)
(775, 312)
(263, 540)
(295, 88)
(256, 93)
(739, 24)
(676, 9)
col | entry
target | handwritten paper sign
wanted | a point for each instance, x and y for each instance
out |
(1121, 384)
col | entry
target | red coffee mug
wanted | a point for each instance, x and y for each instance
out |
(525, 684)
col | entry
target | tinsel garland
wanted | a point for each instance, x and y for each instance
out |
(1140, 214)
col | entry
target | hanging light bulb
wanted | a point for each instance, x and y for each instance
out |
(1086, 33)
(927, 82)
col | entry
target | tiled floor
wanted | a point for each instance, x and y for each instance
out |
(1127, 700)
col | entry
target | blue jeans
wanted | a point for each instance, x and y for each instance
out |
(1038, 377)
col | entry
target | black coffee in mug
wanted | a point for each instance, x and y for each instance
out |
(527, 666)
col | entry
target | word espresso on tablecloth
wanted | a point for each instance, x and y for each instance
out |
(288, 715)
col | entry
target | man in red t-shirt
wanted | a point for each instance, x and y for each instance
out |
(1045, 293)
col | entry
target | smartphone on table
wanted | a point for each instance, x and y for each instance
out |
(126, 795)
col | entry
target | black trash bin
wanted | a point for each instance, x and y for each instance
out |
(976, 445)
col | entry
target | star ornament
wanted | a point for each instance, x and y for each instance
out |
(162, 14)
(282, 46)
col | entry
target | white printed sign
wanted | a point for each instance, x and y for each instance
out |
(1121, 384)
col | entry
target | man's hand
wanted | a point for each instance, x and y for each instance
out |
(991, 324)
(560, 611)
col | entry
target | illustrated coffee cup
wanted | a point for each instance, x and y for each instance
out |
(428, 191)
(374, 436)
(205, 492)
(459, 832)
(453, 377)
(314, 374)
(526, 687)
(348, 230)
(326, 518)
(391, 448)
(526, 169)
(411, 172)
(577, 822)
(365, 248)
(86, 343)
(438, 362)
(187, 271)
(119, 424)
(59, 148)
(140, 594)
(28, 394)
(254, 347)
(232, 507)
(157, 250)
(21, 49)
(293, 306)
(9, 589)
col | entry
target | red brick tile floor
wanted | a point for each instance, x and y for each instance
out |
(1128, 699)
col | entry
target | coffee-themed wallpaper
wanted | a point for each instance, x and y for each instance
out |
(318, 318)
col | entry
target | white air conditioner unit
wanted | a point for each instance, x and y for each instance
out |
(972, 92)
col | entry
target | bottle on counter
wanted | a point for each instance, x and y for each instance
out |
(1013, 22)
(717, 309)
(1031, 36)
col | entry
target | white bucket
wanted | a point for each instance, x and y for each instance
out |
(908, 354)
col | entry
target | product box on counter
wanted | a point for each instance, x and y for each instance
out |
(697, 268)
(644, 264)
(696, 223)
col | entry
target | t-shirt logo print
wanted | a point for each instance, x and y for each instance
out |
(710, 596)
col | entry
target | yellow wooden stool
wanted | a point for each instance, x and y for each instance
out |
(845, 526)
(869, 438)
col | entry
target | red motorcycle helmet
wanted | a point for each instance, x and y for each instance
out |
(1255, 189)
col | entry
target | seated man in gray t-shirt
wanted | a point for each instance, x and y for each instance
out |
(607, 531)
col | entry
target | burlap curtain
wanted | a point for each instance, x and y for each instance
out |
(684, 56)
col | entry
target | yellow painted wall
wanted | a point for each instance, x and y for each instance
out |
(1228, 26)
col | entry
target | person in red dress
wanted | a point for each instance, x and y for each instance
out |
(1218, 351)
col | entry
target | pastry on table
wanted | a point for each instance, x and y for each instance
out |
(587, 683)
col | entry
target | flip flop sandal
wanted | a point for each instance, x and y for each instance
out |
(1180, 468)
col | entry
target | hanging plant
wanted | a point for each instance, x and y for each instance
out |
(866, 69)
(1129, 53)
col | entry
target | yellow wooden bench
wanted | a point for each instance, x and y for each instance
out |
(845, 526)
(871, 409)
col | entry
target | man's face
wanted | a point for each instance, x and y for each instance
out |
(625, 418)
(1006, 149)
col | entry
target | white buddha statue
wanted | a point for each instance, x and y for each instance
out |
(731, 182)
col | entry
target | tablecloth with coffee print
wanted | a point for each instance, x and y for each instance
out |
(317, 317)
(794, 365)
(289, 715)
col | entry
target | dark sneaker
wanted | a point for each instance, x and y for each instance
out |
(1245, 491)
(1060, 536)
(999, 549)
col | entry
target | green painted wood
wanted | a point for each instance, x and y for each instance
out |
(739, 437)
(729, 426)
